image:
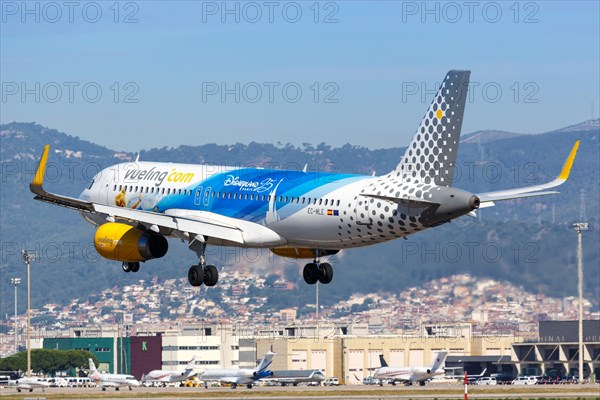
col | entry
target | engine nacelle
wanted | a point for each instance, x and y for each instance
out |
(124, 242)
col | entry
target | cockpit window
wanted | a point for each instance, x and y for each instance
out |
(91, 184)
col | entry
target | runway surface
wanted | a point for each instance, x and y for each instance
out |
(342, 392)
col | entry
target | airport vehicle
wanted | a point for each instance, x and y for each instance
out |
(4, 380)
(111, 380)
(526, 380)
(241, 376)
(30, 383)
(57, 382)
(331, 382)
(163, 377)
(296, 214)
(369, 380)
(486, 380)
(408, 375)
(503, 379)
(294, 377)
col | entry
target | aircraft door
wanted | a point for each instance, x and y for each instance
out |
(207, 196)
(198, 196)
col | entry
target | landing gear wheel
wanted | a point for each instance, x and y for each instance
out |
(311, 273)
(196, 275)
(126, 266)
(211, 275)
(134, 267)
(249, 386)
(325, 273)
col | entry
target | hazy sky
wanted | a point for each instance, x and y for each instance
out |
(136, 75)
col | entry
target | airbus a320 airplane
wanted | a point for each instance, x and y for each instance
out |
(297, 214)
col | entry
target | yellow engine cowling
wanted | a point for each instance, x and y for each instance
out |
(124, 242)
(301, 252)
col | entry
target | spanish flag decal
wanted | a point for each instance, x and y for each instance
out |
(333, 212)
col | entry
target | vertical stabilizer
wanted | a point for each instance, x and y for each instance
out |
(191, 364)
(92, 365)
(382, 361)
(440, 359)
(431, 155)
(266, 361)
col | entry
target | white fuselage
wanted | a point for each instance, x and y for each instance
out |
(300, 209)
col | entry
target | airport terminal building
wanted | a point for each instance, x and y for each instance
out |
(349, 353)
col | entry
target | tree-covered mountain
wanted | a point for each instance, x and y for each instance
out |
(529, 242)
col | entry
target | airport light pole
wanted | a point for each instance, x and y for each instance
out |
(28, 257)
(16, 282)
(317, 303)
(580, 227)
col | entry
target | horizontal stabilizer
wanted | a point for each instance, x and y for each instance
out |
(535, 190)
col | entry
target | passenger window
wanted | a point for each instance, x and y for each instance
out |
(251, 197)
(325, 202)
(212, 195)
(114, 187)
(246, 197)
(338, 203)
(303, 200)
(320, 201)
(286, 199)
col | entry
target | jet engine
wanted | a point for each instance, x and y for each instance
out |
(123, 242)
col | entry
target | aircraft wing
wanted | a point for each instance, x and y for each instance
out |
(488, 199)
(205, 223)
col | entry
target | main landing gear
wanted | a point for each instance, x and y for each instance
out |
(202, 273)
(130, 266)
(207, 274)
(316, 271)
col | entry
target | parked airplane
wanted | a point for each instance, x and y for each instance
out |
(294, 377)
(167, 376)
(472, 378)
(111, 380)
(29, 383)
(408, 375)
(241, 376)
(297, 214)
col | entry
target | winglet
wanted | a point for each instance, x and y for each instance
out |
(41, 169)
(564, 174)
